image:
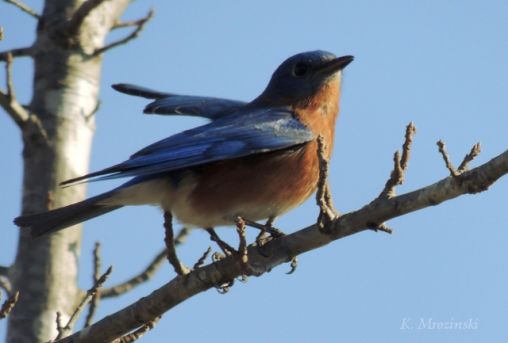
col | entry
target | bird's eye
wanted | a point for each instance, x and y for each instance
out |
(300, 69)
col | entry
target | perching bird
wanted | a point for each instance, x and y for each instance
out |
(255, 160)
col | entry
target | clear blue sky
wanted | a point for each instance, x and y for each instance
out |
(441, 64)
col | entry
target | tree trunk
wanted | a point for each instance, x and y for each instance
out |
(65, 97)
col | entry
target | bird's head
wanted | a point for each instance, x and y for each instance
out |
(301, 76)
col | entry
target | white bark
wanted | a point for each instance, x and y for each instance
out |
(66, 87)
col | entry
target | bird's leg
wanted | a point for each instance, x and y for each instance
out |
(226, 248)
(273, 231)
(327, 211)
(241, 253)
(242, 245)
(169, 239)
(267, 232)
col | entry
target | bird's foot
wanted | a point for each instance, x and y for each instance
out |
(225, 247)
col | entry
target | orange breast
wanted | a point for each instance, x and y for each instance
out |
(258, 186)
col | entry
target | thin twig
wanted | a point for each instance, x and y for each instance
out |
(172, 257)
(18, 52)
(475, 151)
(94, 301)
(400, 164)
(140, 25)
(146, 274)
(134, 336)
(8, 100)
(8, 72)
(89, 294)
(395, 178)
(8, 305)
(446, 158)
(406, 147)
(1, 33)
(142, 277)
(24, 8)
(129, 23)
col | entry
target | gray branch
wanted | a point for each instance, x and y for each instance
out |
(139, 24)
(18, 52)
(24, 8)
(281, 250)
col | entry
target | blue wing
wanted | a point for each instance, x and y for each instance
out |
(143, 92)
(167, 103)
(260, 130)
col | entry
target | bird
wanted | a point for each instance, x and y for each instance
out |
(253, 160)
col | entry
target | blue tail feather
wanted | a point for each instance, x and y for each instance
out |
(48, 222)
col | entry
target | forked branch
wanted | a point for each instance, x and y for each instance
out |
(280, 250)
(139, 24)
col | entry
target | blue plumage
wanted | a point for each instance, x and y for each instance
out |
(261, 130)
(169, 104)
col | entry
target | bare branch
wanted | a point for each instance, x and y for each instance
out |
(406, 147)
(80, 15)
(18, 52)
(8, 305)
(22, 117)
(400, 164)
(142, 277)
(146, 274)
(129, 23)
(8, 100)
(1, 33)
(140, 25)
(26, 121)
(94, 301)
(281, 250)
(24, 8)
(89, 294)
(179, 268)
(10, 85)
(475, 151)
(446, 158)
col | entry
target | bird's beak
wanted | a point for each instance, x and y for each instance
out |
(334, 65)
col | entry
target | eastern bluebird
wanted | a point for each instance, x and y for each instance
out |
(255, 160)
